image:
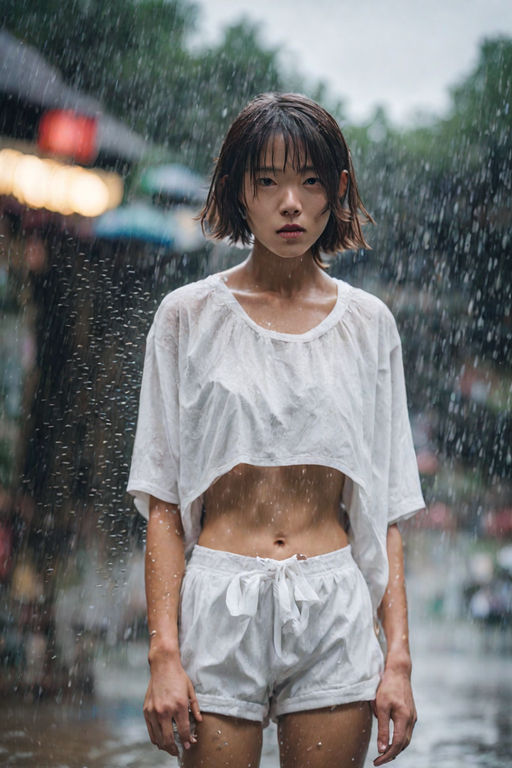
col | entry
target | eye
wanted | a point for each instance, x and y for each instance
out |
(311, 181)
(264, 181)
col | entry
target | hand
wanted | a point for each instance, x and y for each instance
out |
(394, 700)
(169, 695)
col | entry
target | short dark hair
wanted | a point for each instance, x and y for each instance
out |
(306, 127)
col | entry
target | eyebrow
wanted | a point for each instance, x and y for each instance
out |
(270, 169)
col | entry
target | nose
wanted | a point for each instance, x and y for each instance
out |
(290, 204)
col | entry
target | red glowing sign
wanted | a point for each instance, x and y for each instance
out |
(63, 132)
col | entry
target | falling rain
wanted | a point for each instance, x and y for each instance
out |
(109, 122)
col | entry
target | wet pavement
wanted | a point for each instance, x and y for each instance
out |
(462, 682)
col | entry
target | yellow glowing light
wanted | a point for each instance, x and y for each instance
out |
(8, 161)
(44, 183)
(30, 181)
(88, 193)
(114, 184)
(58, 189)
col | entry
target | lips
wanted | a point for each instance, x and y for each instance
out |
(290, 231)
(291, 228)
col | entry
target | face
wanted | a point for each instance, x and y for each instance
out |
(287, 209)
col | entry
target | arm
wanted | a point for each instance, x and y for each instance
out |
(394, 699)
(170, 690)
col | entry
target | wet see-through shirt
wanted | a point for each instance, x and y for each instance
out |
(220, 390)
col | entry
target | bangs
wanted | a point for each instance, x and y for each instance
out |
(304, 145)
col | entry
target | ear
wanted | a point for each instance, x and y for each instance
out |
(343, 184)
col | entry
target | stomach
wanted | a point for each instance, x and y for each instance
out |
(275, 512)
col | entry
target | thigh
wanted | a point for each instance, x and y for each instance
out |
(334, 737)
(225, 742)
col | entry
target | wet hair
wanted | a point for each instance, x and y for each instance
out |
(310, 133)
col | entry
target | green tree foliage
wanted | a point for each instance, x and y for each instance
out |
(441, 196)
(225, 77)
(134, 56)
(130, 55)
(115, 51)
(486, 93)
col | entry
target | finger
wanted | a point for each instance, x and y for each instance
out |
(183, 723)
(407, 736)
(397, 745)
(395, 748)
(383, 729)
(158, 735)
(385, 757)
(152, 736)
(389, 754)
(194, 704)
(168, 742)
(154, 730)
(409, 729)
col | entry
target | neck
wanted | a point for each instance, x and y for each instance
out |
(287, 276)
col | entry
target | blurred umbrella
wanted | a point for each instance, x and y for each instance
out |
(504, 558)
(175, 228)
(428, 463)
(173, 182)
(30, 78)
(498, 522)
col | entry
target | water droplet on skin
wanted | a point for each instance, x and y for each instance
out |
(319, 745)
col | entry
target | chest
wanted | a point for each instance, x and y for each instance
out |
(286, 315)
(280, 382)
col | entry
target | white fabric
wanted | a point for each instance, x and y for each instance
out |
(219, 390)
(296, 635)
(291, 589)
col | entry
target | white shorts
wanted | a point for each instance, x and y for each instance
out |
(262, 637)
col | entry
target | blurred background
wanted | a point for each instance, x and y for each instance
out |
(110, 117)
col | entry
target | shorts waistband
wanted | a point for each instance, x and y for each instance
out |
(230, 562)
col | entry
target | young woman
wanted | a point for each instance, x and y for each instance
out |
(273, 457)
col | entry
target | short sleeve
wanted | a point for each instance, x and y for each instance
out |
(405, 497)
(155, 459)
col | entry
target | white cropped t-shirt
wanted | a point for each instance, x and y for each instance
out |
(218, 390)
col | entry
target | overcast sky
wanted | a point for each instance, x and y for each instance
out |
(399, 53)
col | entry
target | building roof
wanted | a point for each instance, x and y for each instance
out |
(25, 73)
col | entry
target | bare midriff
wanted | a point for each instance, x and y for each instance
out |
(275, 512)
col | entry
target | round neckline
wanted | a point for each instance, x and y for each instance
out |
(327, 322)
